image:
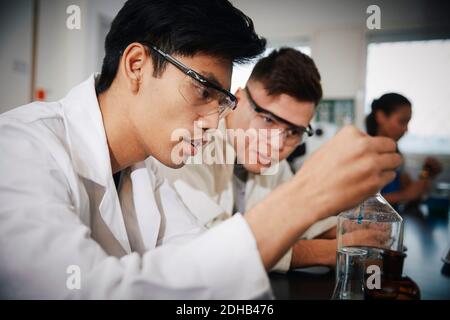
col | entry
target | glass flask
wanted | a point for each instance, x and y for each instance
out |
(350, 272)
(373, 226)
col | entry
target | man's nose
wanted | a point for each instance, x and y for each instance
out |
(281, 140)
(277, 139)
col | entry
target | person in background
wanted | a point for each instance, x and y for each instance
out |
(282, 93)
(389, 117)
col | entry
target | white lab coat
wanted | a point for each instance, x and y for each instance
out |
(59, 208)
(206, 188)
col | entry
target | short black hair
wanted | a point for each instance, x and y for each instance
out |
(289, 71)
(180, 27)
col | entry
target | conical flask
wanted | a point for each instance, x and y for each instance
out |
(372, 227)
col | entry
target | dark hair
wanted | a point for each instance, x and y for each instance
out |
(180, 27)
(291, 72)
(387, 103)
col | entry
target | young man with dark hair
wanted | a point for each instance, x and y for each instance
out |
(282, 92)
(64, 230)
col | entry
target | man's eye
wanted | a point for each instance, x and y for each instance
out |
(293, 133)
(267, 119)
(204, 93)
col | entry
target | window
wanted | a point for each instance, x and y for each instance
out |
(419, 70)
(241, 73)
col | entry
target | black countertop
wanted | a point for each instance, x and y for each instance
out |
(426, 239)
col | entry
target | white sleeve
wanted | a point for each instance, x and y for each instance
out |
(42, 236)
(313, 231)
(319, 227)
(284, 174)
(284, 264)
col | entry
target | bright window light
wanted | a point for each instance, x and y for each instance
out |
(419, 70)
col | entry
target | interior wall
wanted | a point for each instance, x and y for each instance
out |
(15, 53)
(76, 52)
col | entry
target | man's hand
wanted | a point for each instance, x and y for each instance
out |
(345, 171)
(367, 237)
(314, 252)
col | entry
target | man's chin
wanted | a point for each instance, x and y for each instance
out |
(174, 165)
(179, 155)
(171, 164)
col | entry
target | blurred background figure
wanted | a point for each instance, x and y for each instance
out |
(389, 117)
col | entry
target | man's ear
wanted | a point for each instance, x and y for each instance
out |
(134, 58)
(239, 93)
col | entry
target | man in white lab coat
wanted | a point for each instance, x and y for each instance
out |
(63, 230)
(282, 93)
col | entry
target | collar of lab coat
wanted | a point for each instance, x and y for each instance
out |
(90, 154)
(86, 133)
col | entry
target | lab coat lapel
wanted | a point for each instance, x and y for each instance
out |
(137, 194)
(90, 153)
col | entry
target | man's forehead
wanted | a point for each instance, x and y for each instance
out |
(211, 77)
(284, 106)
(215, 69)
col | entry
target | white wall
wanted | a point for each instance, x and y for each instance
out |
(98, 10)
(67, 57)
(61, 53)
(15, 53)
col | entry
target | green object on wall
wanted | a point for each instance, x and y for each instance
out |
(336, 111)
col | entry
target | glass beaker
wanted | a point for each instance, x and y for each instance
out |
(349, 274)
(373, 226)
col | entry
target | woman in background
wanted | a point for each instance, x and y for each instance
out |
(389, 117)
